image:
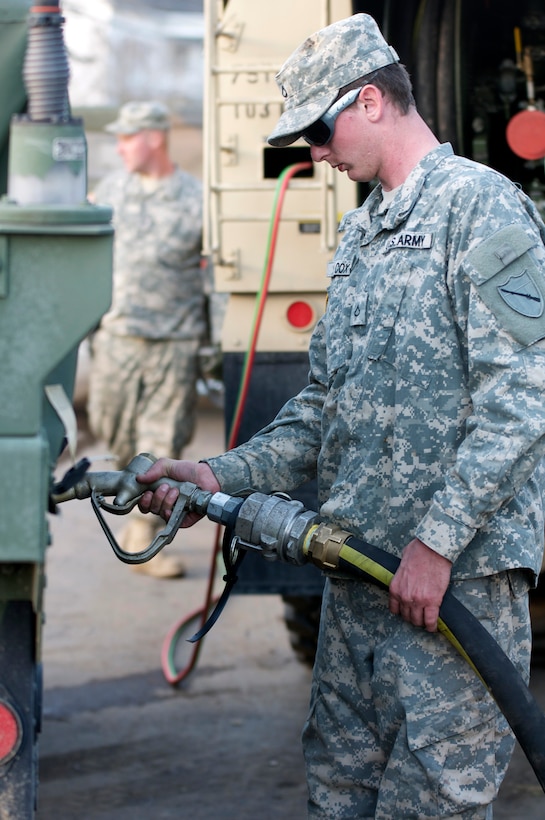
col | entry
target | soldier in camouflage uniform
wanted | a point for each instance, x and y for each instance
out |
(142, 390)
(424, 423)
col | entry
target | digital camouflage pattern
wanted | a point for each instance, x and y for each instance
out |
(142, 394)
(423, 416)
(142, 399)
(158, 288)
(313, 75)
(138, 116)
(144, 364)
(385, 741)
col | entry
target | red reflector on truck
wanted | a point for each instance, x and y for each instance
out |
(10, 732)
(525, 134)
(300, 315)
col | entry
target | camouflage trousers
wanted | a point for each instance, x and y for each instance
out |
(142, 394)
(400, 726)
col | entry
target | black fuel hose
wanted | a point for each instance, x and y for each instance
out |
(475, 643)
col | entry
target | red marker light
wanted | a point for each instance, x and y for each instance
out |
(526, 134)
(11, 733)
(300, 315)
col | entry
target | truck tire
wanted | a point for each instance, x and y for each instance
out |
(302, 617)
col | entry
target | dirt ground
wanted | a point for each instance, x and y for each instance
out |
(120, 743)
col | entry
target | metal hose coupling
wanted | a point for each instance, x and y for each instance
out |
(278, 527)
(274, 525)
(278, 524)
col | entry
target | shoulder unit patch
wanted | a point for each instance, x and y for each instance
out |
(521, 294)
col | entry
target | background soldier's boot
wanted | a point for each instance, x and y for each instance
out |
(138, 534)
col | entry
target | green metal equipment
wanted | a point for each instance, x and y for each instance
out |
(55, 283)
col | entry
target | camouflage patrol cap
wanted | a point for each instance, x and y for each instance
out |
(312, 76)
(137, 116)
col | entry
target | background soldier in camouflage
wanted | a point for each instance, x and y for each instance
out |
(424, 422)
(142, 388)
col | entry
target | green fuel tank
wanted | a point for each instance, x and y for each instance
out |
(55, 284)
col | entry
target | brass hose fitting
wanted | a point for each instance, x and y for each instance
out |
(325, 545)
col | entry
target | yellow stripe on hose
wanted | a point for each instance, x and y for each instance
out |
(384, 576)
(366, 564)
(444, 630)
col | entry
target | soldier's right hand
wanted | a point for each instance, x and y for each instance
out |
(162, 500)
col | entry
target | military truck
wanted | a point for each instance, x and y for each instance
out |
(478, 70)
(55, 283)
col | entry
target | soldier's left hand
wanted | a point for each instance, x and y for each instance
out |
(418, 587)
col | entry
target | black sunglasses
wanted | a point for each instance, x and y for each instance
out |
(321, 131)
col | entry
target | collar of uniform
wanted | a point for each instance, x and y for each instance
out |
(166, 187)
(403, 204)
(368, 218)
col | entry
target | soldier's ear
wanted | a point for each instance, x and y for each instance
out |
(372, 100)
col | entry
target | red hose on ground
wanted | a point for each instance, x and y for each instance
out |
(173, 675)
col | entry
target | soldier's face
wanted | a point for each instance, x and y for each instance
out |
(136, 151)
(360, 142)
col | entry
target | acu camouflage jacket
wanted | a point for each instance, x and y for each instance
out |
(425, 409)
